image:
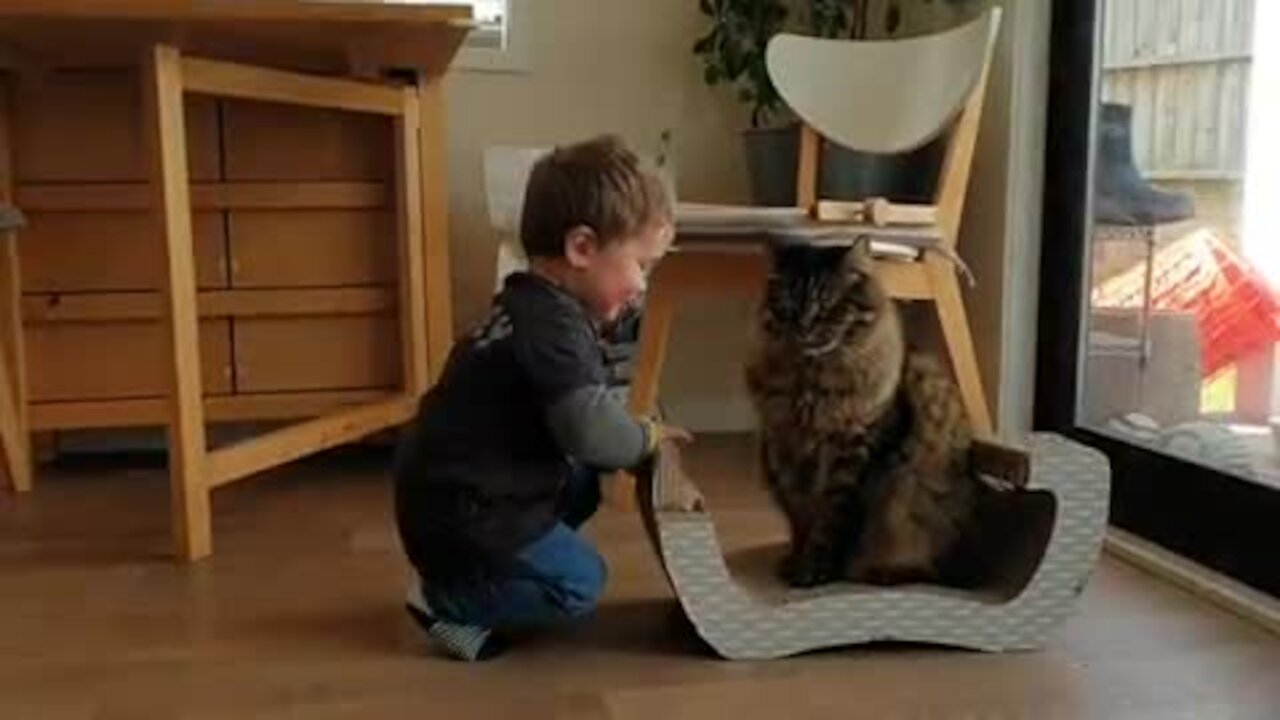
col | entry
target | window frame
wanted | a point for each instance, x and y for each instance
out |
(1215, 519)
(513, 57)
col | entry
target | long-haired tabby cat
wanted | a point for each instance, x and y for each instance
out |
(865, 443)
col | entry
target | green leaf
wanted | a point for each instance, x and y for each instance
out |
(711, 74)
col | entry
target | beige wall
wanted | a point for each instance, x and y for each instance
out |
(625, 66)
(596, 66)
(617, 66)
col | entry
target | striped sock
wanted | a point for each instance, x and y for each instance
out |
(470, 643)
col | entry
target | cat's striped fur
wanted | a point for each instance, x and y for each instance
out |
(865, 443)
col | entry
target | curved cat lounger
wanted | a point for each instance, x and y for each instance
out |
(1050, 539)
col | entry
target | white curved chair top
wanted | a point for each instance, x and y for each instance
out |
(882, 96)
(506, 171)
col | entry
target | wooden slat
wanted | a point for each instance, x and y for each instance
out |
(312, 36)
(878, 212)
(117, 359)
(234, 463)
(206, 196)
(699, 272)
(809, 167)
(163, 115)
(107, 251)
(413, 290)
(151, 412)
(361, 13)
(904, 280)
(84, 126)
(312, 248)
(957, 165)
(317, 353)
(226, 79)
(301, 303)
(296, 196)
(435, 224)
(714, 270)
(13, 377)
(959, 338)
(290, 143)
(100, 307)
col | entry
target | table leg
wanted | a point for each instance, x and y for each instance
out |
(15, 439)
(165, 138)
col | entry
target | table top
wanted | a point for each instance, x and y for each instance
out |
(702, 227)
(319, 35)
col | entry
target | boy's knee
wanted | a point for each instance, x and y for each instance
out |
(583, 588)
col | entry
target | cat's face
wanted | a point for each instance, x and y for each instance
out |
(821, 297)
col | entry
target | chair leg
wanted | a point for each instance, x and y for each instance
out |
(651, 352)
(959, 339)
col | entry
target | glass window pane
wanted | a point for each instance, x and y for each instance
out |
(1181, 339)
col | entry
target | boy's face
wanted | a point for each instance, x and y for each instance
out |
(610, 278)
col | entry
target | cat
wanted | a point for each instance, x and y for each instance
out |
(864, 442)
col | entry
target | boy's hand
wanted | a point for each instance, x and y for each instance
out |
(689, 498)
(659, 433)
(681, 495)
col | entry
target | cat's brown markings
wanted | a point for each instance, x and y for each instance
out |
(865, 444)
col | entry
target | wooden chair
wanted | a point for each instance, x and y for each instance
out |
(892, 97)
(882, 97)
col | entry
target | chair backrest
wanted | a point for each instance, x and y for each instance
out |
(882, 96)
(506, 172)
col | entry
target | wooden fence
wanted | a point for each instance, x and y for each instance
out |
(1183, 65)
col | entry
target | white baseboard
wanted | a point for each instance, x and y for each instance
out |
(1231, 595)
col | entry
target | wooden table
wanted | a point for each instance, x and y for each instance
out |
(277, 51)
(721, 251)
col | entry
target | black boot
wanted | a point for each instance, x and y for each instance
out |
(1122, 196)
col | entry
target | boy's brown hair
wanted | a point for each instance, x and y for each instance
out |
(598, 183)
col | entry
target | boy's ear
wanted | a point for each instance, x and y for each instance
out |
(580, 246)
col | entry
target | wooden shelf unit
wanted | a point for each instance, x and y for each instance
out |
(212, 241)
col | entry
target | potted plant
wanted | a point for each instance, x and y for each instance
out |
(733, 54)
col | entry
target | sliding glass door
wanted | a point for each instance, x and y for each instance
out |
(1161, 259)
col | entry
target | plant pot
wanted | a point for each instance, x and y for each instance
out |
(773, 159)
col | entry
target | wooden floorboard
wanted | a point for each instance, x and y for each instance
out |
(298, 615)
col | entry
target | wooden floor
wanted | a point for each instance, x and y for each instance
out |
(298, 615)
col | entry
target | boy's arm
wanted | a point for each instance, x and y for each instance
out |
(561, 357)
(595, 429)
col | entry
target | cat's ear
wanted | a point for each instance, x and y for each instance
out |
(859, 259)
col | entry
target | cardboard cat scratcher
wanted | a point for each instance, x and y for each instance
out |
(1050, 540)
